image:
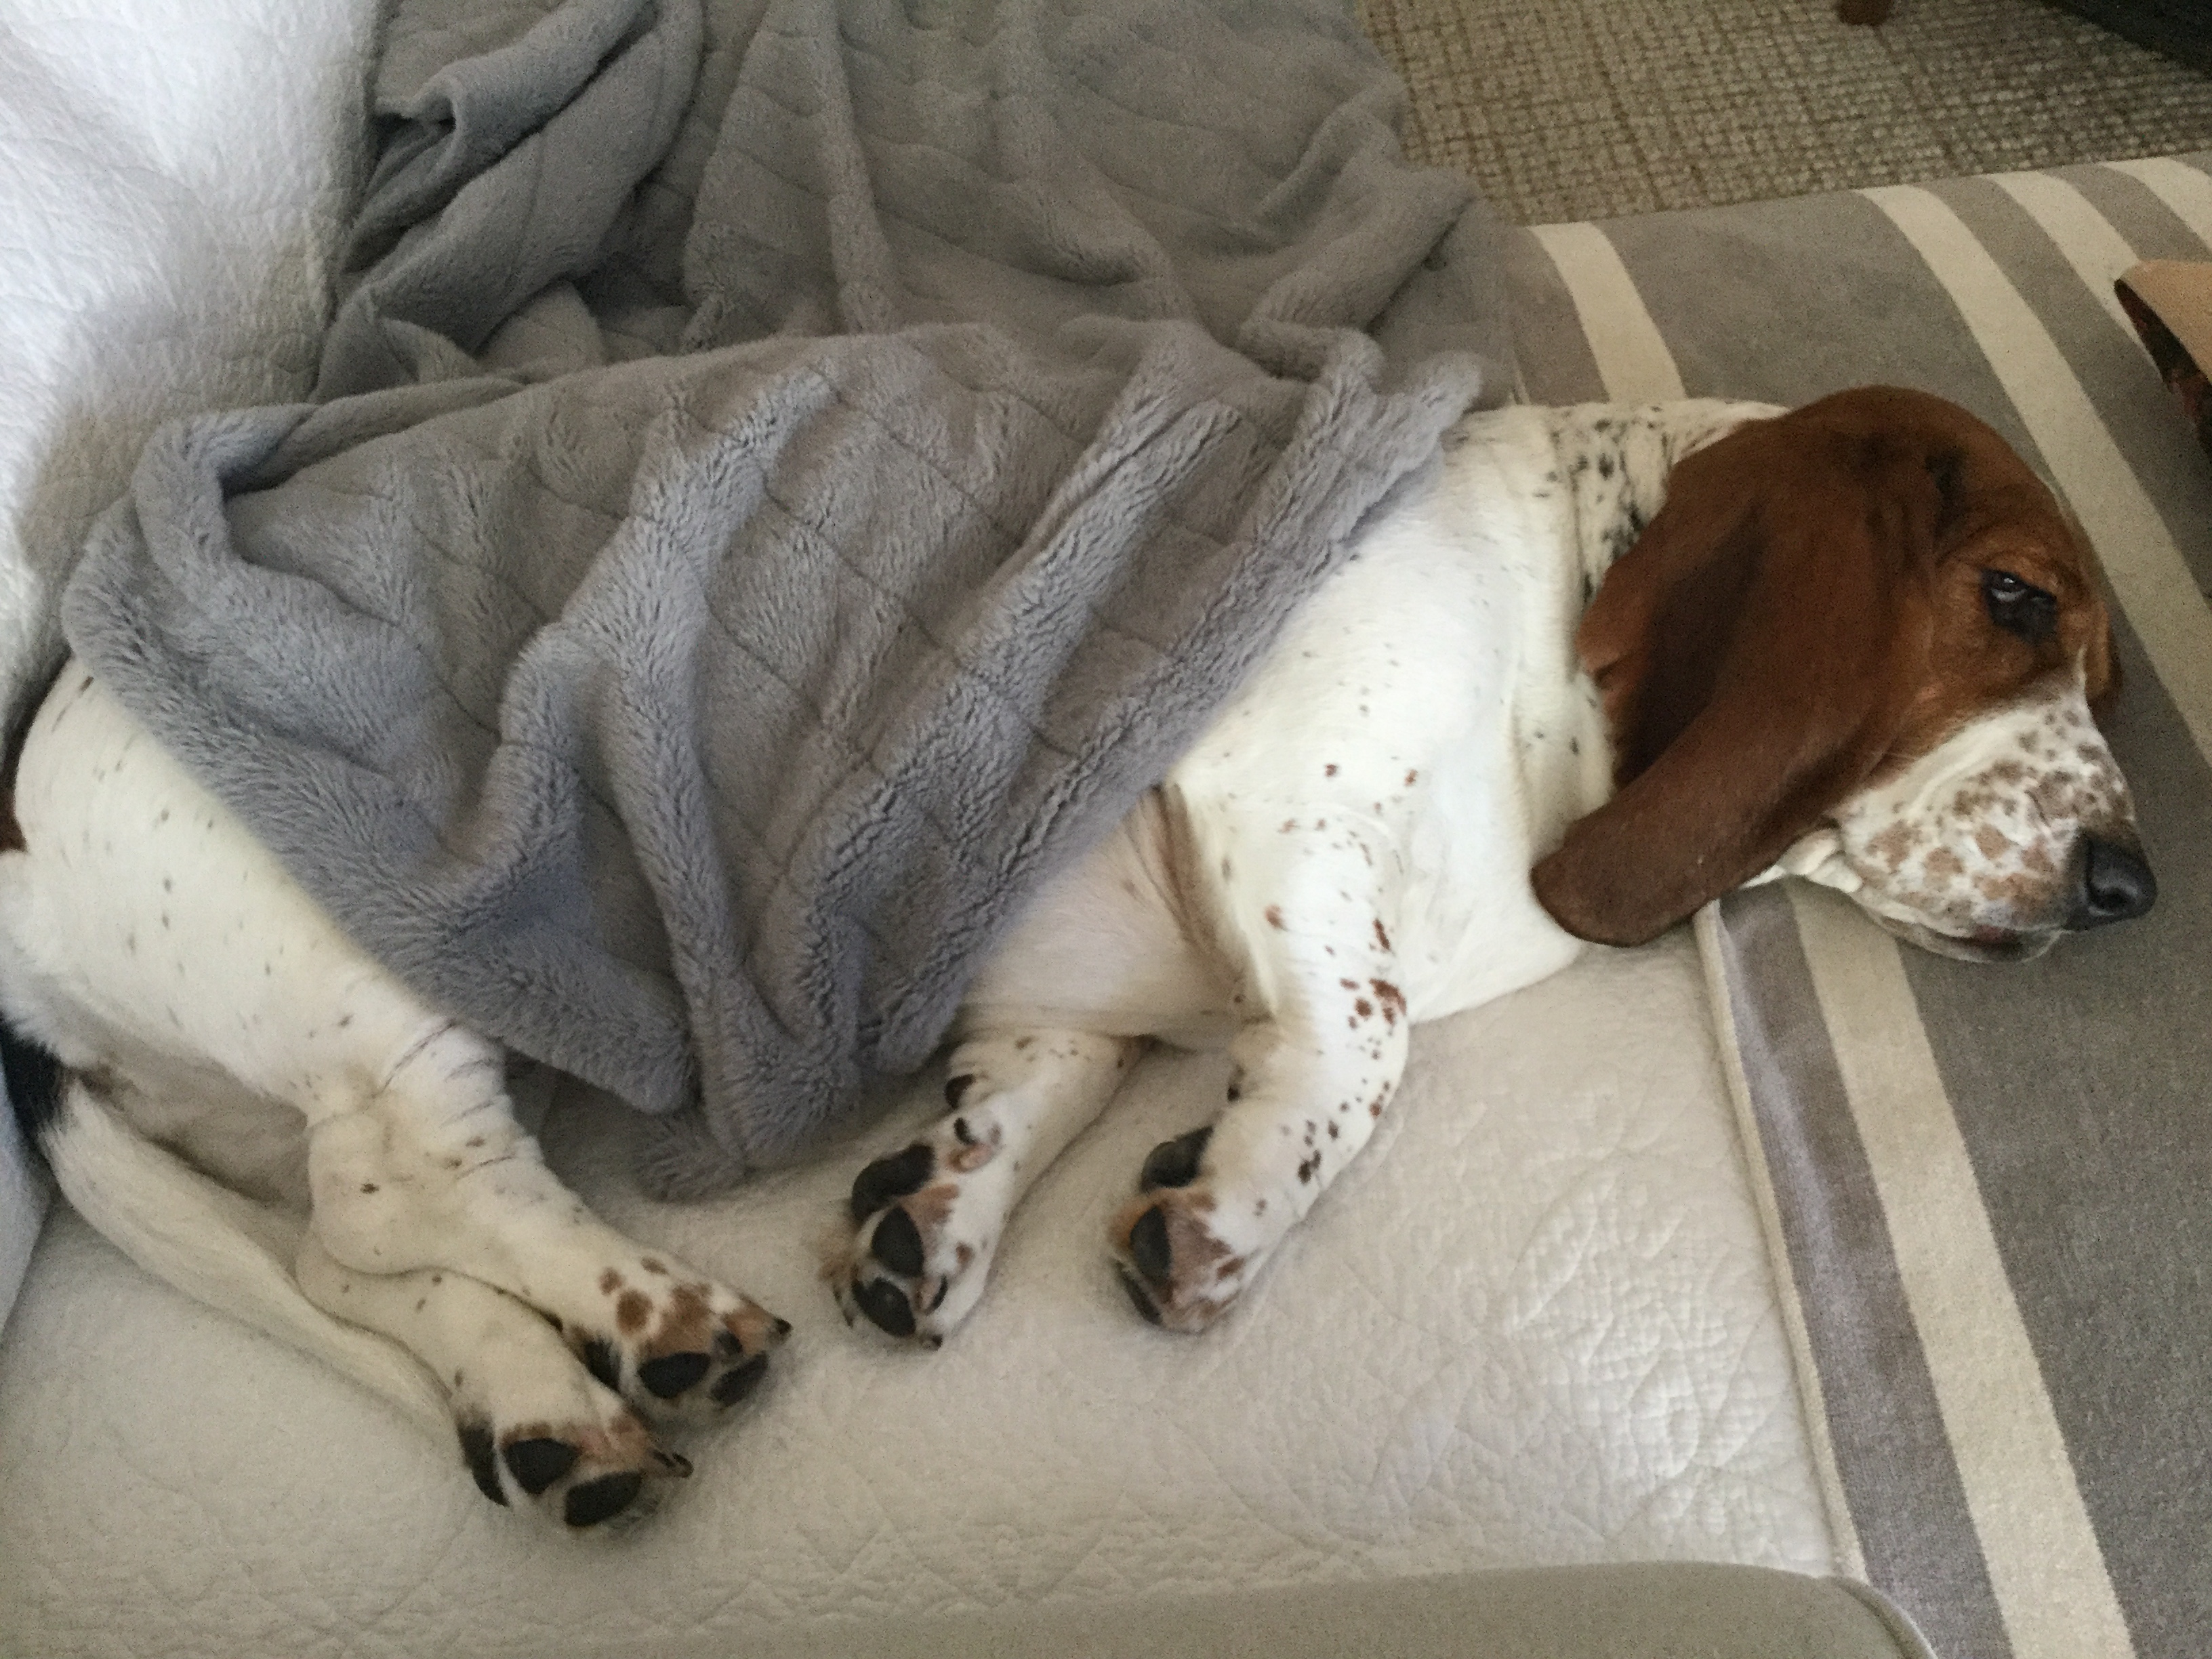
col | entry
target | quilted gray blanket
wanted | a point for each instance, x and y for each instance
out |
(785, 477)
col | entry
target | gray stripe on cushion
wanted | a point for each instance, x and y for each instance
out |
(1891, 1447)
(2114, 370)
(1553, 357)
(2147, 223)
(1789, 300)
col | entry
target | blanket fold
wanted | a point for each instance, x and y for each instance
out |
(783, 479)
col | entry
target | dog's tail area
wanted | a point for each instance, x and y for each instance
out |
(197, 1236)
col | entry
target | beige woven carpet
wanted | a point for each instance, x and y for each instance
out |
(1581, 109)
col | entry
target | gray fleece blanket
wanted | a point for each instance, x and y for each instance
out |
(785, 478)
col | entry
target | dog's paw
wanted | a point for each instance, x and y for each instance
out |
(1183, 1253)
(922, 1225)
(540, 1435)
(675, 1345)
(587, 1469)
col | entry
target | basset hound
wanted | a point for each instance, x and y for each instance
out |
(1605, 665)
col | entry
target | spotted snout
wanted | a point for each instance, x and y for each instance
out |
(2016, 828)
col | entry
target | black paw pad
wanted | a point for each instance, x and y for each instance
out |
(670, 1375)
(537, 1464)
(477, 1451)
(1148, 1246)
(600, 1359)
(891, 1178)
(886, 1306)
(897, 1243)
(1137, 1296)
(1175, 1162)
(740, 1381)
(609, 1495)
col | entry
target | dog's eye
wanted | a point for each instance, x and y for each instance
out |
(2019, 607)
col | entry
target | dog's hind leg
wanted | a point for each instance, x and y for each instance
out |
(423, 1168)
(215, 1245)
(538, 1431)
(924, 1224)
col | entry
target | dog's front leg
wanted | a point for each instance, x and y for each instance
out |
(1313, 1072)
(925, 1223)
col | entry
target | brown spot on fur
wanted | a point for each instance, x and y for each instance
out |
(610, 1282)
(651, 1266)
(755, 1328)
(2019, 891)
(931, 1205)
(1991, 841)
(1392, 999)
(1944, 863)
(1330, 771)
(2055, 798)
(1274, 915)
(632, 1310)
(1382, 935)
(1364, 1008)
(688, 1325)
(963, 1253)
(1893, 844)
(1410, 778)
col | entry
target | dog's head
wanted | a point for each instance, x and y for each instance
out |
(1862, 642)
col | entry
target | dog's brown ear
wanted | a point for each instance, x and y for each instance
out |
(1757, 650)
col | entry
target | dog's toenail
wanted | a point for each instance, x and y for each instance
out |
(886, 1306)
(726, 1346)
(537, 1464)
(1175, 1162)
(1148, 1246)
(476, 1449)
(673, 1463)
(897, 1243)
(782, 1329)
(956, 1089)
(669, 1376)
(933, 1343)
(1143, 1302)
(590, 1504)
(938, 1301)
(891, 1178)
(600, 1359)
(735, 1384)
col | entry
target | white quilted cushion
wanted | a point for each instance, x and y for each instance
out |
(1533, 1324)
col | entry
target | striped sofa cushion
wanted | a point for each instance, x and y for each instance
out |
(1990, 1188)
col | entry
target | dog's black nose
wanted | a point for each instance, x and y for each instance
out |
(2116, 883)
